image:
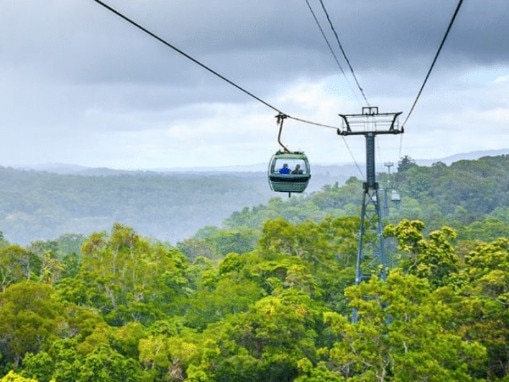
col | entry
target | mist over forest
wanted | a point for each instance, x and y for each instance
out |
(49, 201)
(169, 206)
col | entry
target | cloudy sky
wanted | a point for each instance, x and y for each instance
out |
(79, 85)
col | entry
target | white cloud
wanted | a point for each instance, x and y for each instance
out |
(80, 85)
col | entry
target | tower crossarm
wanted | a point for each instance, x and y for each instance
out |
(370, 121)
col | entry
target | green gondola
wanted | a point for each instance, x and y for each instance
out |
(289, 172)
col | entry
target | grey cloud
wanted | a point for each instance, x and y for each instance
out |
(63, 59)
(251, 42)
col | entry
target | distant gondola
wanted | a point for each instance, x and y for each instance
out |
(395, 197)
(289, 172)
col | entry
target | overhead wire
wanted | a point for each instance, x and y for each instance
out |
(453, 18)
(400, 153)
(336, 59)
(317, 22)
(451, 22)
(252, 95)
(214, 72)
(353, 157)
(343, 52)
(325, 37)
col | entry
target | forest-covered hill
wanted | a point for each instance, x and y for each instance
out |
(43, 205)
(269, 294)
(130, 309)
(461, 195)
(40, 205)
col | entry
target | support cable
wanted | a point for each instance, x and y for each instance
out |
(434, 61)
(351, 154)
(400, 155)
(317, 22)
(343, 52)
(130, 21)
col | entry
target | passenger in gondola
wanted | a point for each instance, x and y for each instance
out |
(297, 170)
(285, 169)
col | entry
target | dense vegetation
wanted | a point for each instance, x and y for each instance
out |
(37, 205)
(42, 206)
(461, 195)
(269, 295)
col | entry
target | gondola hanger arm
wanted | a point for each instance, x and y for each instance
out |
(280, 119)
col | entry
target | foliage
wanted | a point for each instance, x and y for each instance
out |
(127, 278)
(11, 376)
(31, 319)
(270, 299)
(281, 312)
(169, 206)
(16, 265)
(406, 163)
(433, 259)
(403, 334)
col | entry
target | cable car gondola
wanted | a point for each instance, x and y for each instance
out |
(289, 172)
(395, 197)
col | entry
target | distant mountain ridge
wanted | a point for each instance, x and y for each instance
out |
(318, 168)
(44, 202)
(463, 156)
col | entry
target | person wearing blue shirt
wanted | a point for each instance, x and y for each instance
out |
(285, 169)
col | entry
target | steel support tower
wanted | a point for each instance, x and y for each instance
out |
(371, 257)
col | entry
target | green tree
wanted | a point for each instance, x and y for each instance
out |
(128, 278)
(304, 240)
(327, 250)
(406, 163)
(66, 360)
(39, 366)
(104, 364)
(224, 290)
(403, 334)
(17, 264)
(433, 258)
(485, 317)
(194, 248)
(486, 230)
(266, 342)
(31, 318)
(11, 376)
